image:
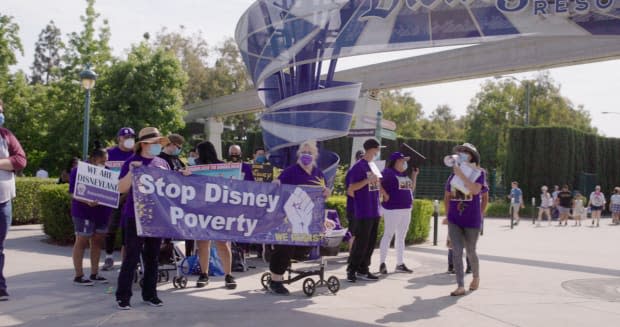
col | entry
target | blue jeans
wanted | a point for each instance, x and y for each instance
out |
(6, 216)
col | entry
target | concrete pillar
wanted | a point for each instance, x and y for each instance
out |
(214, 127)
(366, 109)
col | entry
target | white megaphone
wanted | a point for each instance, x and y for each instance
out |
(450, 160)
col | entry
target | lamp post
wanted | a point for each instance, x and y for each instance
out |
(88, 78)
(527, 95)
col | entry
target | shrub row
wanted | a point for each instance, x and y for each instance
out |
(26, 206)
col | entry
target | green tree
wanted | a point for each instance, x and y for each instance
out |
(47, 57)
(442, 125)
(144, 90)
(10, 44)
(403, 109)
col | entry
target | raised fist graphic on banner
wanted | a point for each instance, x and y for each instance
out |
(298, 209)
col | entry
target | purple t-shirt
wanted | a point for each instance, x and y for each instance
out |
(296, 175)
(83, 210)
(116, 156)
(246, 169)
(128, 211)
(366, 199)
(399, 188)
(465, 211)
(350, 206)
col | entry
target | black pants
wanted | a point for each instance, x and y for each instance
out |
(281, 256)
(110, 238)
(363, 245)
(135, 246)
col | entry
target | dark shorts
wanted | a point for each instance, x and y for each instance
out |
(88, 227)
(596, 208)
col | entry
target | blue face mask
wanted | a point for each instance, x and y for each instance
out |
(176, 152)
(191, 161)
(463, 157)
(155, 149)
(377, 157)
(1, 119)
(261, 159)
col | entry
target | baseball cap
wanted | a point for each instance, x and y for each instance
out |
(371, 144)
(126, 131)
(398, 155)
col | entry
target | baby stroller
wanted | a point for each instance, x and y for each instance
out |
(171, 258)
(329, 247)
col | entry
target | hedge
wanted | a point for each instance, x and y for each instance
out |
(26, 206)
(419, 227)
(55, 211)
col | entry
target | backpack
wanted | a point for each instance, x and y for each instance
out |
(238, 258)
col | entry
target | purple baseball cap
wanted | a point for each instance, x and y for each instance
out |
(126, 131)
(398, 155)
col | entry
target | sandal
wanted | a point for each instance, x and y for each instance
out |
(475, 283)
(458, 292)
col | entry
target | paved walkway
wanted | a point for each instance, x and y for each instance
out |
(545, 276)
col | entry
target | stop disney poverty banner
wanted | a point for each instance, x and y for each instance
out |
(195, 207)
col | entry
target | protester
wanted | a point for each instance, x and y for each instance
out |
(66, 173)
(207, 155)
(235, 155)
(90, 223)
(516, 201)
(397, 205)
(614, 206)
(117, 155)
(546, 203)
(597, 203)
(12, 158)
(147, 149)
(579, 211)
(564, 204)
(464, 213)
(350, 206)
(259, 156)
(364, 187)
(303, 172)
(192, 156)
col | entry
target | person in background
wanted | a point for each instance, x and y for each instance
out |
(125, 139)
(259, 156)
(350, 206)
(303, 172)
(579, 211)
(516, 201)
(171, 152)
(90, 222)
(207, 155)
(364, 187)
(66, 173)
(235, 155)
(564, 204)
(546, 203)
(614, 206)
(597, 203)
(555, 211)
(397, 205)
(12, 158)
(42, 173)
(147, 150)
(464, 213)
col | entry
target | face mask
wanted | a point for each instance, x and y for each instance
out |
(376, 157)
(463, 157)
(155, 149)
(176, 151)
(261, 159)
(191, 161)
(129, 143)
(306, 159)
(1, 119)
(235, 157)
(405, 166)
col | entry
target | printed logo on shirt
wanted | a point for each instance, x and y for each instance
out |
(456, 195)
(404, 183)
(372, 187)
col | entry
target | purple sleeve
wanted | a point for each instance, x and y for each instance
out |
(447, 188)
(481, 180)
(285, 176)
(357, 174)
(124, 169)
(72, 178)
(389, 181)
(247, 172)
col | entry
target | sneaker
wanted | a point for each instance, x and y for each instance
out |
(98, 279)
(369, 276)
(83, 281)
(154, 302)
(383, 269)
(123, 305)
(468, 270)
(230, 282)
(351, 278)
(403, 269)
(278, 288)
(202, 281)
(108, 264)
(4, 296)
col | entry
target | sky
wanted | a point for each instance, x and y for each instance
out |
(592, 85)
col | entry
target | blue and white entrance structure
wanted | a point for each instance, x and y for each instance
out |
(286, 45)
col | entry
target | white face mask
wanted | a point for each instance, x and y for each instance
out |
(405, 166)
(129, 143)
(463, 157)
